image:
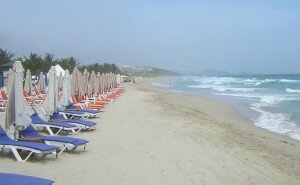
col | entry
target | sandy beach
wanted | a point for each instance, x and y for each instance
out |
(151, 137)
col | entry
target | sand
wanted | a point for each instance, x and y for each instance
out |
(151, 137)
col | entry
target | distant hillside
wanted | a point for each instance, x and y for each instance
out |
(146, 71)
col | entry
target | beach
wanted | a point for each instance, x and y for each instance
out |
(152, 137)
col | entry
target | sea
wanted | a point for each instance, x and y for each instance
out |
(272, 102)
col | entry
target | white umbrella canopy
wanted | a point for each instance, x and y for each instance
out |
(18, 67)
(28, 83)
(66, 90)
(59, 70)
(51, 102)
(17, 111)
(42, 83)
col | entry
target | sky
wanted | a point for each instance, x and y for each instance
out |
(257, 36)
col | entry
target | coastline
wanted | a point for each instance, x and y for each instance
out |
(227, 108)
(153, 137)
(243, 108)
(229, 118)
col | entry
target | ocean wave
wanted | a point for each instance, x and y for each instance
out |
(232, 81)
(289, 81)
(276, 122)
(268, 100)
(292, 90)
(220, 88)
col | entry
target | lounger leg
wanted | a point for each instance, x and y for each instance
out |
(58, 131)
(65, 116)
(2, 149)
(74, 148)
(63, 149)
(17, 155)
(49, 131)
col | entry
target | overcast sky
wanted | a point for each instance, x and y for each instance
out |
(260, 36)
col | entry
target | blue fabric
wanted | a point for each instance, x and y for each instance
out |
(59, 117)
(5, 140)
(35, 119)
(14, 179)
(78, 121)
(72, 108)
(30, 131)
(1, 80)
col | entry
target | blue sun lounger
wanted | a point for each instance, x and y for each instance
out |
(68, 143)
(15, 146)
(72, 108)
(14, 179)
(86, 125)
(38, 123)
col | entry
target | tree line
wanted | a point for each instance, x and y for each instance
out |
(38, 63)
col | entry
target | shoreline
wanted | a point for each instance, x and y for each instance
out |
(233, 118)
(247, 114)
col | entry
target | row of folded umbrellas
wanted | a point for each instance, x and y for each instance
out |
(81, 83)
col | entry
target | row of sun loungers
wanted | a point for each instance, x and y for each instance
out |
(27, 124)
(59, 124)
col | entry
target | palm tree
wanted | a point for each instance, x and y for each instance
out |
(34, 62)
(68, 63)
(6, 56)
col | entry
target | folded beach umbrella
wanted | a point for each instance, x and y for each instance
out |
(81, 84)
(118, 78)
(28, 83)
(41, 83)
(10, 72)
(110, 82)
(75, 82)
(113, 80)
(93, 81)
(102, 85)
(66, 90)
(51, 102)
(106, 82)
(17, 112)
(97, 83)
(85, 81)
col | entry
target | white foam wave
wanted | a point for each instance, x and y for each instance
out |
(276, 122)
(268, 100)
(289, 81)
(269, 80)
(220, 88)
(292, 90)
